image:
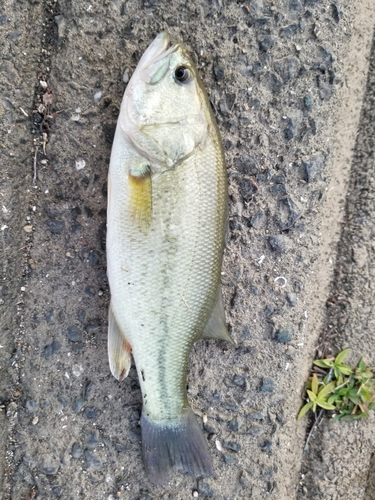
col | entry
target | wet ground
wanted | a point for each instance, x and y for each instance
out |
(287, 81)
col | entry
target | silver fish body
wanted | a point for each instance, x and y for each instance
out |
(167, 217)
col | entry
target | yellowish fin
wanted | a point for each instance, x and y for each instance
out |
(119, 349)
(140, 187)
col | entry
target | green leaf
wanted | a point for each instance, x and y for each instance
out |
(324, 363)
(325, 405)
(339, 380)
(314, 384)
(362, 365)
(353, 392)
(327, 389)
(312, 396)
(345, 369)
(304, 409)
(351, 383)
(342, 392)
(341, 355)
(335, 398)
(364, 393)
(355, 399)
(350, 418)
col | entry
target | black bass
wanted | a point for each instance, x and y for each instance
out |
(167, 218)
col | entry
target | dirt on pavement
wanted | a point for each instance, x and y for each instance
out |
(286, 80)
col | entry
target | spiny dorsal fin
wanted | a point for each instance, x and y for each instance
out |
(216, 327)
(119, 349)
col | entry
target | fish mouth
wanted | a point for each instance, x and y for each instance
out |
(158, 49)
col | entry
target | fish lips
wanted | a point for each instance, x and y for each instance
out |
(155, 61)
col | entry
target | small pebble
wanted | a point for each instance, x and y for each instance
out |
(77, 451)
(92, 439)
(245, 479)
(230, 460)
(246, 165)
(219, 72)
(295, 5)
(324, 61)
(126, 76)
(255, 430)
(51, 349)
(308, 101)
(93, 259)
(91, 412)
(247, 189)
(284, 336)
(74, 334)
(78, 404)
(279, 243)
(28, 228)
(233, 425)
(233, 445)
(91, 461)
(266, 446)
(258, 220)
(287, 68)
(313, 167)
(325, 88)
(89, 291)
(274, 83)
(77, 370)
(268, 385)
(32, 406)
(80, 164)
(205, 490)
(218, 445)
(49, 465)
(289, 213)
(56, 226)
(291, 298)
(266, 44)
(288, 31)
(239, 380)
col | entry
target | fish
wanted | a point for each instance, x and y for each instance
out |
(166, 226)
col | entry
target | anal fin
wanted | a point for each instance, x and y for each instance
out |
(216, 327)
(119, 349)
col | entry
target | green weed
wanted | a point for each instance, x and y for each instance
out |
(349, 393)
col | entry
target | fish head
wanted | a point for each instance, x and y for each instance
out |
(164, 113)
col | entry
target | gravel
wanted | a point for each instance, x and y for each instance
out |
(274, 73)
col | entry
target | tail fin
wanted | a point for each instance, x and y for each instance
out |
(171, 445)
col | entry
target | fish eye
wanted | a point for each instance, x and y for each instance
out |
(182, 74)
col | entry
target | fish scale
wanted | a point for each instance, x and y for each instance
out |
(167, 215)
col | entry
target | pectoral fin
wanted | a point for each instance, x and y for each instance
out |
(119, 349)
(140, 195)
(216, 327)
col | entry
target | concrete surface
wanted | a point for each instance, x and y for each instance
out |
(286, 80)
